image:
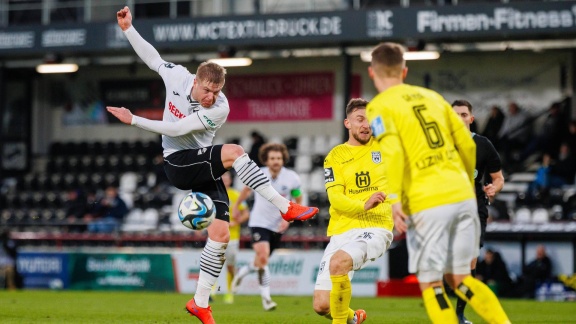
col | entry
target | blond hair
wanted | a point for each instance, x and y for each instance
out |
(211, 72)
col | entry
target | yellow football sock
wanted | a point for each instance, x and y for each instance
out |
(483, 300)
(438, 306)
(350, 318)
(229, 278)
(340, 297)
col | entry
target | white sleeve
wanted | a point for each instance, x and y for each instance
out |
(145, 51)
(183, 126)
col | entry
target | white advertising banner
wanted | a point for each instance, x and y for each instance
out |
(293, 272)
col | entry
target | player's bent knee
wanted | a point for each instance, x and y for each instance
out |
(232, 151)
(340, 263)
(321, 306)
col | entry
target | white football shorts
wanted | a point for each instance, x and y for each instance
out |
(362, 244)
(442, 240)
(232, 252)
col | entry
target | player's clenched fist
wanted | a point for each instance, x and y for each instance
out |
(124, 18)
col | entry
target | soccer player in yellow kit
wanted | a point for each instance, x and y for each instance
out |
(430, 158)
(360, 216)
(235, 227)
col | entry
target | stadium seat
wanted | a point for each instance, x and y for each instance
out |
(320, 144)
(523, 215)
(128, 182)
(317, 180)
(303, 164)
(540, 216)
(333, 140)
(304, 145)
(132, 221)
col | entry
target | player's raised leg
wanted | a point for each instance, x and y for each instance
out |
(233, 156)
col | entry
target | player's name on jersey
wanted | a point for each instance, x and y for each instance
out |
(436, 158)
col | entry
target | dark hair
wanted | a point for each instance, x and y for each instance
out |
(278, 147)
(211, 72)
(356, 103)
(462, 102)
(388, 58)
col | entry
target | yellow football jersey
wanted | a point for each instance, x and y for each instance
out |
(429, 152)
(353, 174)
(233, 196)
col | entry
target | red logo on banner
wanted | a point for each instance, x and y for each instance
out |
(303, 96)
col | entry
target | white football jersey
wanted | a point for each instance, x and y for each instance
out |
(179, 104)
(264, 214)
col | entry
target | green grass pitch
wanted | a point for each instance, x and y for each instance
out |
(43, 306)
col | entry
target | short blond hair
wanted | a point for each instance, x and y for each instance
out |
(388, 59)
(211, 72)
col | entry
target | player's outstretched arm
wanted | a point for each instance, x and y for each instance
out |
(145, 50)
(183, 126)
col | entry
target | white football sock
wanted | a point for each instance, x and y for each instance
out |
(251, 175)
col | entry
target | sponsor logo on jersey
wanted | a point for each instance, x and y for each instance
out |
(176, 93)
(363, 179)
(168, 65)
(377, 126)
(209, 122)
(175, 111)
(202, 151)
(376, 157)
(328, 175)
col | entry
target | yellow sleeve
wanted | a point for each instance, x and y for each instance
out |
(342, 203)
(335, 188)
(464, 143)
(385, 132)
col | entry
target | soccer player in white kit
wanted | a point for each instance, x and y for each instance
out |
(266, 224)
(195, 109)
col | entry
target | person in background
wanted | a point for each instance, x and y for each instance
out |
(536, 272)
(112, 210)
(488, 181)
(552, 132)
(360, 226)
(515, 133)
(493, 271)
(8, 269)
(553, 173)
(257, 141)
(430, 159)
(235, 226)
(493, 125)
(266, 224)
(76, 209)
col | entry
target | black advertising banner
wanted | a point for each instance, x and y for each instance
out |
(143, 97)
(494, 21)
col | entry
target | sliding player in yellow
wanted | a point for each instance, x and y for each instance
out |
(430, 158)
(360, 216)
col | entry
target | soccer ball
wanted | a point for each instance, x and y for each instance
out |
(196, 211)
